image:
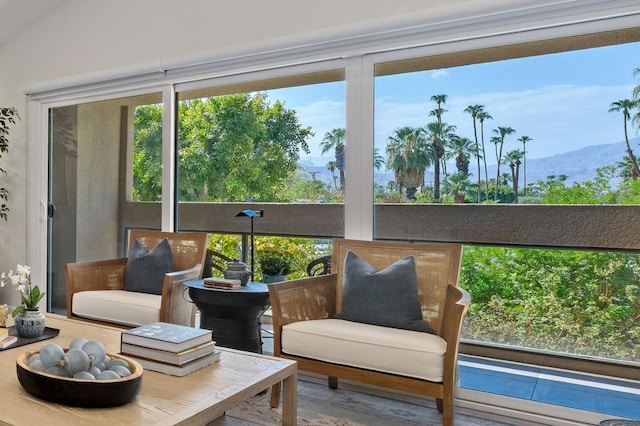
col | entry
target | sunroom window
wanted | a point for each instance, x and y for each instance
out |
(486, 148)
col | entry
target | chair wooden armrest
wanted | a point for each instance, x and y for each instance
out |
(94, 275)
(456, 304)
(175, 307)
(303, 299)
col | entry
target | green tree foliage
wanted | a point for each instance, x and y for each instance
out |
(8, 116)
(231, 148)
(237, 147)
(408, 155)
(565, 301)
(597, 191)
(147, 153)
(297, 251)
(335, 140)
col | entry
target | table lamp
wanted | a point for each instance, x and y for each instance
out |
(251, 214)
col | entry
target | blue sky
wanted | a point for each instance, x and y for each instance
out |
(559, 100)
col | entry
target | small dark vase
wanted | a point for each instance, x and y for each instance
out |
(30, 323)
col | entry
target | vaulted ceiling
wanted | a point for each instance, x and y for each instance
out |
(17, 15)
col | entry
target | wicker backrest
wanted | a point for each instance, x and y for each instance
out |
(437, 265)
(188, 248)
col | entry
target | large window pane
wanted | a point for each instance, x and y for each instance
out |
(459, 137)
(92, 170)
(275, 145)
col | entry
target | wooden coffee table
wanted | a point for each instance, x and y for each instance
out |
(195, 399)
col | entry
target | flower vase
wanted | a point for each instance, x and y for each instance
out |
(30, 323)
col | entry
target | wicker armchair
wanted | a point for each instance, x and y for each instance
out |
(188, 249)
(214, 261)
(320, 298)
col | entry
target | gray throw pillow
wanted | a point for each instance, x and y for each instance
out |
(146, 268)
(388, 297)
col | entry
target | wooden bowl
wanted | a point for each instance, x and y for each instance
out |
(80, 392)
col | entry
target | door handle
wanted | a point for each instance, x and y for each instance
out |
(51, 210)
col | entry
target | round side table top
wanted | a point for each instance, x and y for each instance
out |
(251, 287)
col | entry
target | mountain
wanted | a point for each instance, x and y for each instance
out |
(579, 165)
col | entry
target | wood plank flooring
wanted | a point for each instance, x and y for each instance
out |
(352, 405)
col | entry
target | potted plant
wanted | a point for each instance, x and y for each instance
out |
(7, 117)
(274, 267)
(29, 321)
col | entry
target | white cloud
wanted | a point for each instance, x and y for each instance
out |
(438, 74)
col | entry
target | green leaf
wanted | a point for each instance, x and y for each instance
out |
(18, 309)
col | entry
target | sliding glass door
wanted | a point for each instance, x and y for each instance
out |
(91, 197)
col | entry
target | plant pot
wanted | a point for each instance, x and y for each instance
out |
(30, 323)
(267, 279)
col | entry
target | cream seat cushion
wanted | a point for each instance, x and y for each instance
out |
(118, 306)
(391, 350)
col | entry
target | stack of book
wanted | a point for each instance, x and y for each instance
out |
(170, 348)
(223, 283)
(6, 340)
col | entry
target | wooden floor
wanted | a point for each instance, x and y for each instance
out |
(352, 405)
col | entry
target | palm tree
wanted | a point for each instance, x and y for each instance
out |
(482, 116)
(457, 184)
(625, 168)
(474, 110)
(378, 160)
(331, 165)
(439, 100)
(464, 148)
(438, 134)
(408, 155)
(335, 139)
(502, 132)
(625, 105)
(636, 97)
(512, 158)
(524, 140)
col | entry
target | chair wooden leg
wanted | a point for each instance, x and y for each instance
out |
(439, 404)
(275, 395)
(447, 411)
(333, 382)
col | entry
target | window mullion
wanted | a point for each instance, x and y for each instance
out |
(359, 150)
(169, 149)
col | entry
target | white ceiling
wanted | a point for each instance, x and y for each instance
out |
(18, 15)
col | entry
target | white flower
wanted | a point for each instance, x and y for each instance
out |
(23, 270)
(30, 295)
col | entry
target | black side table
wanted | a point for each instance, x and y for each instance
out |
(234, 316)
